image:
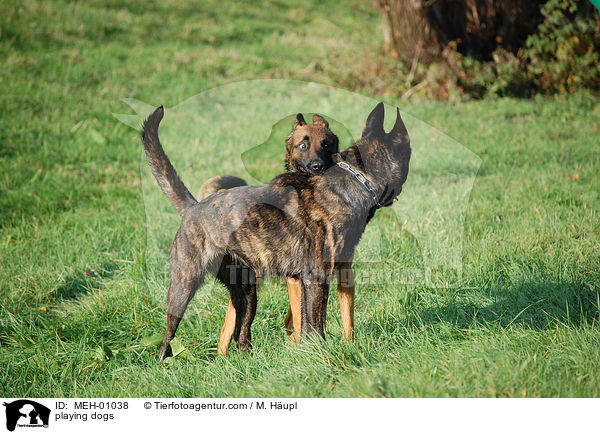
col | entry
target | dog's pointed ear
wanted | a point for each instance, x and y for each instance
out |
(374, 124)
(299, 121)
(398, 136)
(320, 121)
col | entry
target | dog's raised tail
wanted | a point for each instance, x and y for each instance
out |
(216, 183)
(161, 167)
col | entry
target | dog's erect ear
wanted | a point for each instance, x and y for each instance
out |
(374, 125)
(299, 121)
(398, 136)
(320, 121)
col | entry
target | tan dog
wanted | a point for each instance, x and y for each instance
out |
(309, 150)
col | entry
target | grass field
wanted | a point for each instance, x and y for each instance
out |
(81, 301)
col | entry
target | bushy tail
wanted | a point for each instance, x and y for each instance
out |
(212, 185)
(163, 170)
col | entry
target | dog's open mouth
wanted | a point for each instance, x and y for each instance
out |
(387, 197)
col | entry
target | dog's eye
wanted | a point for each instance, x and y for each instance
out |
(303, 146)
(326, 145)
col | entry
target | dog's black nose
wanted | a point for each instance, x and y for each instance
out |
(317, 166)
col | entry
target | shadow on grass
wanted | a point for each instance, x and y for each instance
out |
(532, 304)
(82, 283)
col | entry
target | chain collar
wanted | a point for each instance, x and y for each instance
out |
(360, 177)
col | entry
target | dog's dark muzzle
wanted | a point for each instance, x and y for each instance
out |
(317, 166)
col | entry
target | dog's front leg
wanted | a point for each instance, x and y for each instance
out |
(227, 330)
(315, 293)
(293, 320)
(346, 297)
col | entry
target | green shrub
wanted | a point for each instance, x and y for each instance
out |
(505, 47)
(563, 56)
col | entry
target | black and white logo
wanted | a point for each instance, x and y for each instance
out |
(26, 413)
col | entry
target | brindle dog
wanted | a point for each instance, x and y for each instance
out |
(309, 150)
(298, 225)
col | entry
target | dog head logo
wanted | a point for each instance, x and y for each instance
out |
(26, 413)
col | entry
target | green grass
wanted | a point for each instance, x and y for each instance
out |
(80, 298)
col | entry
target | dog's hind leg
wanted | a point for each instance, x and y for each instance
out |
(181, 291)
(245, 308)
(229, 326)
(314, 305)
(241, 281)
